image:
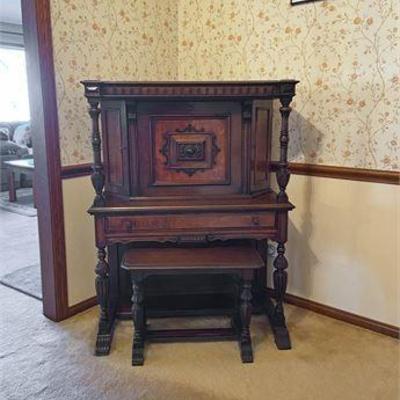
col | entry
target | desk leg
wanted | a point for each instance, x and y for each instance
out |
(12, 193)
(276, 312)
(138, 319)
(246, 350)
(105, 329)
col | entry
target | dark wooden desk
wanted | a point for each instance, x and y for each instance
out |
(181, 163)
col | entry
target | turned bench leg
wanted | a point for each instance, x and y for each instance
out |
(138, 317)
(246, 350)
(235, 317)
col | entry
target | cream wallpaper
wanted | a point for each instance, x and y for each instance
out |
(344, 52)
(106, 39)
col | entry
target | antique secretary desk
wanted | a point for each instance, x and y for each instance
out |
(187, 164)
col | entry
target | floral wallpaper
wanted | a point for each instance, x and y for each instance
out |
(110, 40)
(344, 52)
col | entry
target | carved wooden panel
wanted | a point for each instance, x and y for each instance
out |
(191, 151)
(260, 144)
(115, 146)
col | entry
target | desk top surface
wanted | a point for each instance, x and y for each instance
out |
(265, 202)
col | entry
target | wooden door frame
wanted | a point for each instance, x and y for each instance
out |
(48, 185)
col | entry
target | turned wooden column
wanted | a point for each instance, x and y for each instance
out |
(102, 282)
(102, 292)
(280, 283)
(97, 176)
(282, 173)
(277, 316)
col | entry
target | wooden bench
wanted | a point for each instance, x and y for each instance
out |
(240, 261)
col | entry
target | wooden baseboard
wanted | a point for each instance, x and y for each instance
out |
(82, 306)
(363, 322)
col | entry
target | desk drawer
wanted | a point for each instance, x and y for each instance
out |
(116, 225)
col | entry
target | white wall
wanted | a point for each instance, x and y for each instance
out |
(79, 239)
(342, 246)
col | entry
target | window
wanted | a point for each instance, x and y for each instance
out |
(14, 102)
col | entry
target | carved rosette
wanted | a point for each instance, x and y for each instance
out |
(189, 150)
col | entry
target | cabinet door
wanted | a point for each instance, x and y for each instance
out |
(189, 149)
(115, 146)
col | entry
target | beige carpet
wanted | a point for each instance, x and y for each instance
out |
(43, 360)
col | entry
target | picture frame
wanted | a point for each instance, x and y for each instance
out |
(298, 2)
